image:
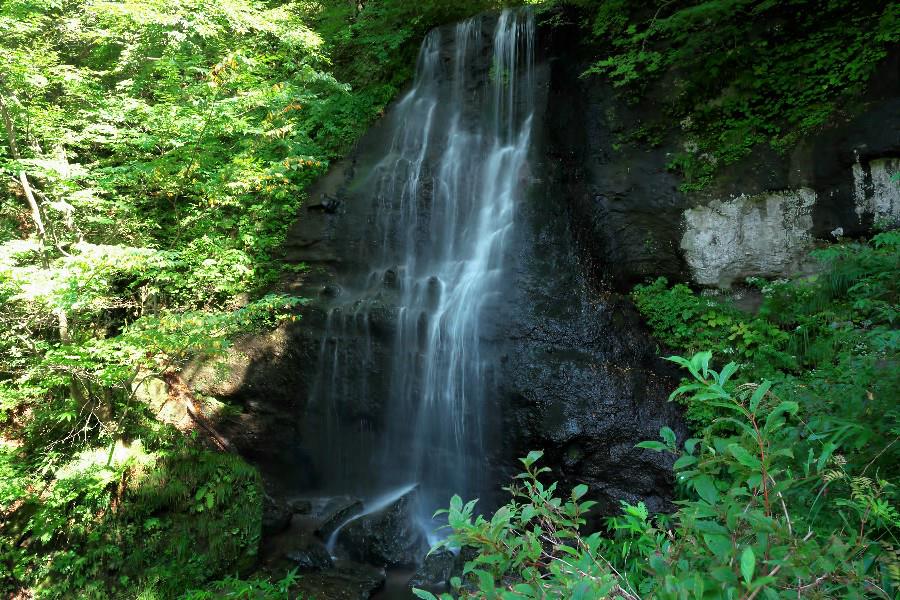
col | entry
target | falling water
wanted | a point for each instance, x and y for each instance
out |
(444, 201)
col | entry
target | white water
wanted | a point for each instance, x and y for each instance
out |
(444, 197)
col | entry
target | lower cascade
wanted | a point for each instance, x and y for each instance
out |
(442, 207)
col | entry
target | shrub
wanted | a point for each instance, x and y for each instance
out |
(768, 509)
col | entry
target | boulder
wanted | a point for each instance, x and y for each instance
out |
(300, 506)
(310, 554)
(389, 536)
(347, 581)
(336, 512)
(435, 571)
(276, 516)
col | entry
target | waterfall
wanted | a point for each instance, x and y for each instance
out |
(443, 203)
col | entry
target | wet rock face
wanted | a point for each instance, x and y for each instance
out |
(389, 537)
(310, 554)
(567, 370)
(580, 378)
(276, 516)
(347, 581)
(336, 512)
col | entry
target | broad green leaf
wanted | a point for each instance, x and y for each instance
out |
(668, 436)
(651, 445)
(532, 457)
(720, 545)
(776, 418)
(690, 445)
(758, 395)
(825, 455)
(706, 488)
(727, 371)
(744, 457)
(684, 461)
(748, 564)
(578, 491)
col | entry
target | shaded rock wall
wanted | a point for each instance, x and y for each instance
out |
(758, 218)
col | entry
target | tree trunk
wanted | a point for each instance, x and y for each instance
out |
(10, 129)
(23, 178)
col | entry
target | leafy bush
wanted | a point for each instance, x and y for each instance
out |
(256, 588)
(108, 520)
(681, 319)
(736, 73)
(830, 341)
(768, 510)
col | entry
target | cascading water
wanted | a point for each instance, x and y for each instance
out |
(443, 208)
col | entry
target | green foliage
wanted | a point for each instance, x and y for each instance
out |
(106, 520)
(681, 319)
(531, 547)
(788, 486)
(689, 322)
(375, 42)
(761, 510)
(740, 73)
(830, 341)
(767, 509)
(251, 589)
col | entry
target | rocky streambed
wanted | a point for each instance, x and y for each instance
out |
(344, 548)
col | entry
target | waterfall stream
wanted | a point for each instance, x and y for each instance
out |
(443, 204)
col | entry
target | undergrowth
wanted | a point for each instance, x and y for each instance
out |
(736, 75)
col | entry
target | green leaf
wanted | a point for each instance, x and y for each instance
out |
(690, 445)
(485, 582)
(700, 362)
(720, 545)
(532, 457)
(744, 457)
(706, 488)
(748, 564)
(668, 436)
(528, 512)
(578, 491)
(727, 371)
(758, 395)
(652, 445)
(829, 448)
(684, 461)
(712, 527)
(776, 418)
